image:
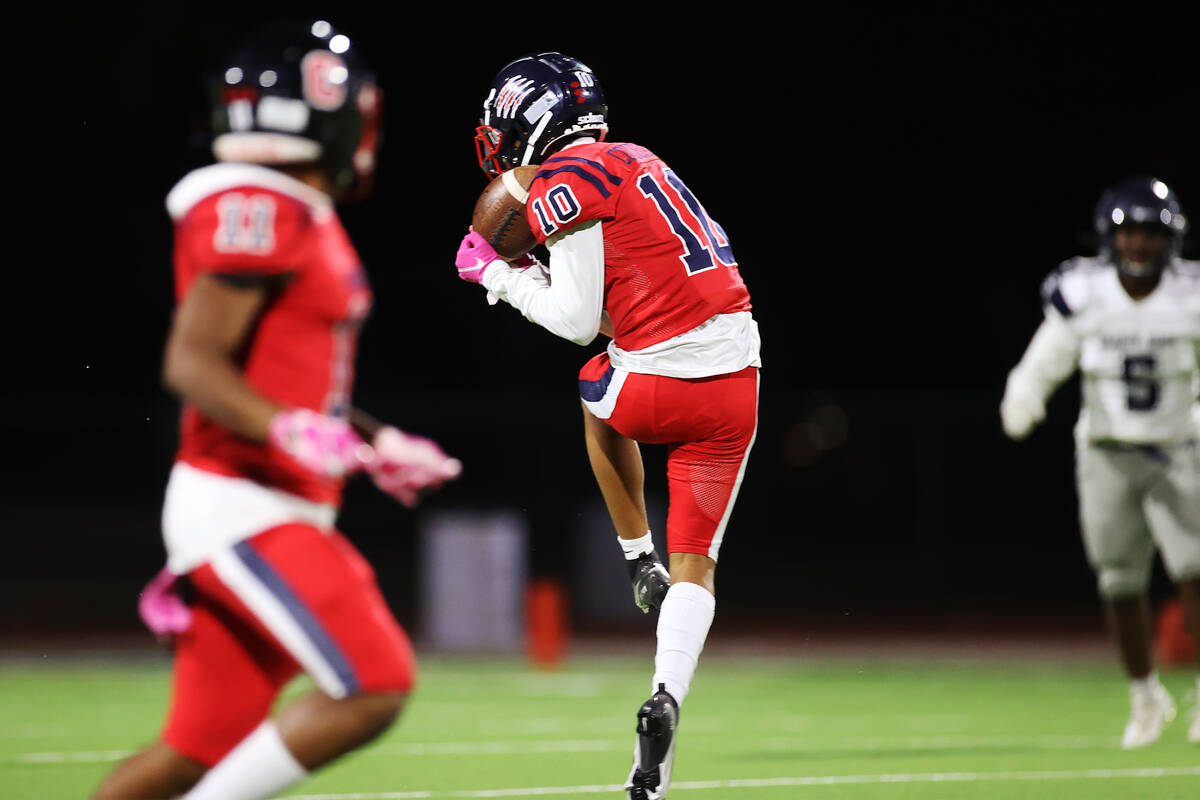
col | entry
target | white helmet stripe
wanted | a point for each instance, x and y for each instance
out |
(487, 106)
(533, 137)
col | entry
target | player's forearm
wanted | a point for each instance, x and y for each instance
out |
(561, 315)
(1050, 358)
(212, 383)
(571, 305)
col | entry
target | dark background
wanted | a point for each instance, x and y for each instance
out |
(895, 184)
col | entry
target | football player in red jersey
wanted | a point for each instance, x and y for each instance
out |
(633, 254)
(270, 297)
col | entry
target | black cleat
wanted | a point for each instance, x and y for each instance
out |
(650, 581)
(654, 754)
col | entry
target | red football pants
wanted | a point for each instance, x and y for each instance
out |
(289, 599)
(708, 426)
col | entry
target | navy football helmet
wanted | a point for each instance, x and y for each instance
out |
(298, 92)
(1140, 200)
(535, 105)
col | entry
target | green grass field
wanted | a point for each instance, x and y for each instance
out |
(758, 729)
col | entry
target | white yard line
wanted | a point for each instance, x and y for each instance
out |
(540, 746)
(756, 783)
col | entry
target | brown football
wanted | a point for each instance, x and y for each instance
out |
(500, 213)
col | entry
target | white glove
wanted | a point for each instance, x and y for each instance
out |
(1021, 409)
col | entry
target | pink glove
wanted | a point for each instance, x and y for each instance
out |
(404, 465)
(161, 607)
(474, 256)
(326, 445)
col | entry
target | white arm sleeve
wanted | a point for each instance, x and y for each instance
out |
(1052, 355)
(571, 304)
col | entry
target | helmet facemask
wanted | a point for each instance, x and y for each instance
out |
(487, 149)
(1141, 201)
(1147, 268)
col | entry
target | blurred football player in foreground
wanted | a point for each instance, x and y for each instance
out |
(271, 295)
(1129, 320)
(633, 254)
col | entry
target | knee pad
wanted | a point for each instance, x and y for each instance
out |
(1115, 581)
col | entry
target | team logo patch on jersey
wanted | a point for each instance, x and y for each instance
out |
(324, 75)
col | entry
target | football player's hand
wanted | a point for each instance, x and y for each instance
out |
(326, 445)
(650, 581)
(404, 465)
(161, 607)
(474, 256)
(1020, 410)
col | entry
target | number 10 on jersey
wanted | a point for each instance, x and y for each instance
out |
(699, 245)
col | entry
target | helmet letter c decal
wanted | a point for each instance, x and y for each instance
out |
(324, 75)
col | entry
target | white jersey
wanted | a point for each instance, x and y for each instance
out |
(1139, 359)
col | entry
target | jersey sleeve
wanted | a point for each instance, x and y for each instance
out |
(1053, 352)
(246, 233)
(1050, 358)
(1064, 291)
(569, 190)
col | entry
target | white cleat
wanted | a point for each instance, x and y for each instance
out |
(1194, 730)
(1151, 710)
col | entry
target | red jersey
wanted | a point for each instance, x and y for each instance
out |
(668, 265)
(250, 222)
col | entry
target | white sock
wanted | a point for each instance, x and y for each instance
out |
(683, 622)
(257, 768)
(636, 547)
(1144, 685)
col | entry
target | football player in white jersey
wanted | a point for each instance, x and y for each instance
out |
(1129, 320)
